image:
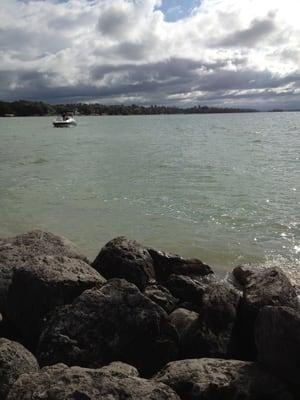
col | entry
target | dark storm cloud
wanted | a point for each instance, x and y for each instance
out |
(161, 82)
(258, 31)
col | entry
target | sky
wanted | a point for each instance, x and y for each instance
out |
(231, 53)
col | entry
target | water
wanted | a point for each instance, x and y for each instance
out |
(223, 188)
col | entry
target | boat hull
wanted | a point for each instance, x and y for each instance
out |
(64, 124)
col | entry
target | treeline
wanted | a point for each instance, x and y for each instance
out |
(38, 108)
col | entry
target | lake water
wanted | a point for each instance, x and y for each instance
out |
(223, 188)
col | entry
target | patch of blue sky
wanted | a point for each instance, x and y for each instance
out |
(175, 10)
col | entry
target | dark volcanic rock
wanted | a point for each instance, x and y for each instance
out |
(267, 287)
(40, 285)
(166, 264)
(59, 382)
(114, 322)
(14, 252)
(213, 333)
(181, 319)
(161, 296)
(243, 274)
(278, 341)
(216, 379)
(15, 360)
(127, 259)
(188, 290)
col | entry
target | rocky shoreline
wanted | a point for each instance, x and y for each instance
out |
(140, 323)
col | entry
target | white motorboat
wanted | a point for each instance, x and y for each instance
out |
(64, 121)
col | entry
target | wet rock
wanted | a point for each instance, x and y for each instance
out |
(217, 379)
(40, 285)
(15, 360)
(14, 252)
(127, 259)
(213, 333)
(114, 322)
(166, 264)
(182, 319)
(243, 274)
(161, 296)
(60, 382)
(267, 287)
(277, 336)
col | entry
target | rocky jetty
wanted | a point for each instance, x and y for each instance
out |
(141, 323)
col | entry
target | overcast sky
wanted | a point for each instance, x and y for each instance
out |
(217, 52)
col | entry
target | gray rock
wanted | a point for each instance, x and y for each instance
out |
(161, 296)
(114, 322)
(60, 382)
(40, 285)
(277, 337)
(15, 360)
(217, 379)
(14, 252)
(213, 333)
(127, 259)
(166, 264)
(120, 368)
(266, 287)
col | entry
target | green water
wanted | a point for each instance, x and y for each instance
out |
(224, 188)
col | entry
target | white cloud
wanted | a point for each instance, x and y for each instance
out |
(226, 51)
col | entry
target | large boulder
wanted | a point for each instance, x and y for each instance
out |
(217, 379)
(40, 285)
(14, 252)
(114, 322)
(212, 334)
(277, 337)
(15, 360)
(166, 264)
(264, 287)
(161, 296)
(126, 259)
(60, 382)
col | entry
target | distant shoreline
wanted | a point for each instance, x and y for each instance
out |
(29, 108)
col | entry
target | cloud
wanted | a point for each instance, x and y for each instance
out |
(223, 53)
(258, 32)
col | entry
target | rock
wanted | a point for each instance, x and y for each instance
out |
(14, 252)
(60, 382)
(120, 368)
(243, 274)
(127, 259)
(277, 337)
(114, 322)
(188, 290)
(267, 287)
(181, 319)
(161, 296)
(217, 379)
(40, 285)
(166, 264)
(213, 333)
(15, 360)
